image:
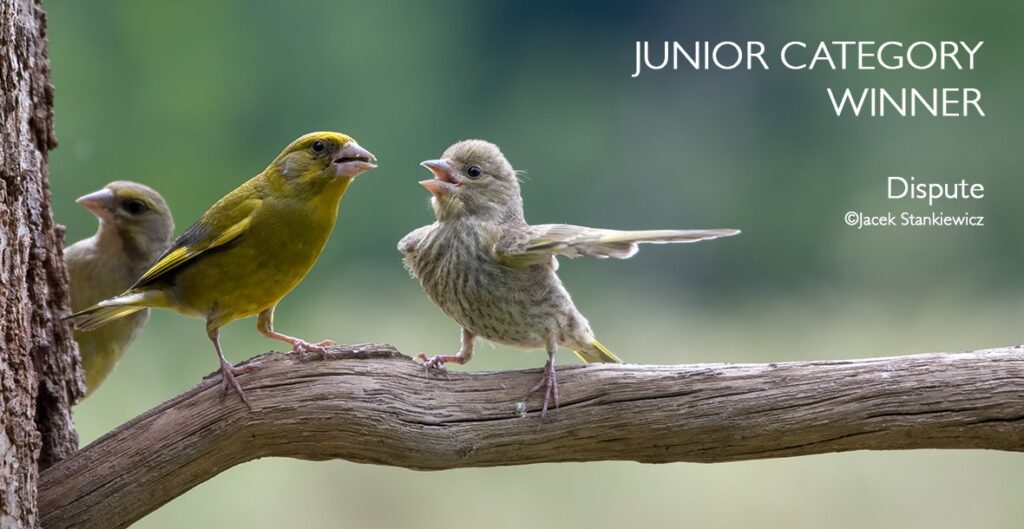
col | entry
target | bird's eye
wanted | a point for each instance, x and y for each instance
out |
(319, 146)
(474, 171)
(134, 207)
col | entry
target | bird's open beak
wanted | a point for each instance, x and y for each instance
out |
(353, 160)
(444, 180)
(100, 203)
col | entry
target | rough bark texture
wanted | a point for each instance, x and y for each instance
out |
(39, 373)
(371, 404)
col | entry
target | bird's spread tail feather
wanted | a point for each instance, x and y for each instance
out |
(599, 354)
(107, 311)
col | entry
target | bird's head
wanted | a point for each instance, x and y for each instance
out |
(136, 213)
(318, 159)
(473, 178)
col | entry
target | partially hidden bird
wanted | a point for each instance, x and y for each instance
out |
(494, 274)
(250, 248)
(135, 227)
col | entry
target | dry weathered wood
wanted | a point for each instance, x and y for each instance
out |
(39, 376)
(371, 404)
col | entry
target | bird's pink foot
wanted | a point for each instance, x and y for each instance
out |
(228, 373)
(548, 383)
(302, 347)
(435, 364)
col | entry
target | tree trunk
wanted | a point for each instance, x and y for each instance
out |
(39, 367)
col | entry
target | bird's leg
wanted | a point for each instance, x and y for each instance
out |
(265, 325)
(548, 382)
(227, 371)
(464, 355)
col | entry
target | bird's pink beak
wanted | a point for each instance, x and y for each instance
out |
(353, 160)
(100, 203)
(444, 180)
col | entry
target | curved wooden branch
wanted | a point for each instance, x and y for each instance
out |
(371, 404)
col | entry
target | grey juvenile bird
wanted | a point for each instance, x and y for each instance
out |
(135, 228)
(494, 274)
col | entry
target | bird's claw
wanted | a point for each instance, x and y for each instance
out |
(228, 379)
(436, 364)
(302, 347)
(549, 383)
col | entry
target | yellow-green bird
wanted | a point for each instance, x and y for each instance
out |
(135, 228)
(250, 248)
(495, 274)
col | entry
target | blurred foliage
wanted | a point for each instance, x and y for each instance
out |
(195, 97)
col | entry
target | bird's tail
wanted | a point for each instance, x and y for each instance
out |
(109, 310)
(598, 353)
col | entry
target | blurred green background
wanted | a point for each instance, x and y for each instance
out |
(195, 97)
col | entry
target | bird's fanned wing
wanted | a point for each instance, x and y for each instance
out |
(224, 222)
(536, 244)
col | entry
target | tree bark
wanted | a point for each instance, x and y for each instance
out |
(39, 366)
(371, 404)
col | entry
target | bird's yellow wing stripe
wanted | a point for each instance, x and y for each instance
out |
(177, 256)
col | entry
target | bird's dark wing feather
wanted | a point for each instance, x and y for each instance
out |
(536, 244)
(224, 222)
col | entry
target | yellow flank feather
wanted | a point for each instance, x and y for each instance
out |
(599, 355)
